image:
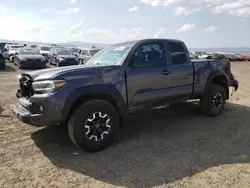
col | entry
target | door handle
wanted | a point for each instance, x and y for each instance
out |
(165, 72)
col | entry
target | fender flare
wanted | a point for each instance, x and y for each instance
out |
(80, 93)
(214, 75)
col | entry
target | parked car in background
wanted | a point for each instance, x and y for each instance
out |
(9, 50)
(246, 58)
(86, 53)
(61, 57)
(29, 58)
(2, 45)
(2, 61)
(74, 50)
(44, 50)
(202, 55)
(217, 57)
(193, 56)
(34, 46)
(239, 57)
(231, 57)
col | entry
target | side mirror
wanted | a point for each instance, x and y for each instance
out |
(5, 50)
(54, 54)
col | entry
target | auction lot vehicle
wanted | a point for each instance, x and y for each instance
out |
(2, 62)
(29, 58)
(123, 78)
(9, 50)
(86, 53)
(44, 50)
(61, 57)
(74, 50)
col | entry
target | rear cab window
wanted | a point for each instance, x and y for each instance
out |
(178, 52)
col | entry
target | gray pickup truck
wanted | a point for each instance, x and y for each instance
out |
(123, 78)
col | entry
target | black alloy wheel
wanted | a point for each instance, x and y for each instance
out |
(97, 126)
(94, 125)
(213, 102)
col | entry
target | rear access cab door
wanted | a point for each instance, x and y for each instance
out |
(181, 70)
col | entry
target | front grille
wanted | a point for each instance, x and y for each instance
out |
(71, 61)
(26, 89)
(33, 61)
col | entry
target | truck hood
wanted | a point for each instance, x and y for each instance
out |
(63, 72)
(31, 56)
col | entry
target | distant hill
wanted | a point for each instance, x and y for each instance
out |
(84, 44)
(67, 44)
(226, 49)
(102, 45)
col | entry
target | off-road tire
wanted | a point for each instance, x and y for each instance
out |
(77, 125)
(207, 101)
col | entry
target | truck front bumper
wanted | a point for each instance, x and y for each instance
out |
(39, 110)
(26, 117)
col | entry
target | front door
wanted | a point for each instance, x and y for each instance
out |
(147, 79)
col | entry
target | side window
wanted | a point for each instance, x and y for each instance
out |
(178, 53)
(150, 55)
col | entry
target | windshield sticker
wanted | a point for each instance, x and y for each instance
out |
(120, 48)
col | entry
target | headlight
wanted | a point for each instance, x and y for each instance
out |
(49, 86)
(61, 59)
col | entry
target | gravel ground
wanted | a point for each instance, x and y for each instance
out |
(172, 147)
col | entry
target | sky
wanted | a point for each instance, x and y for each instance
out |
(199, 23)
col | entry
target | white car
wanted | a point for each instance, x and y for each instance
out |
(9, 50)
(86, 53)
(44, 50)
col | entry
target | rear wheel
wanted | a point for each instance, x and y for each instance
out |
(93, 125)
(213, 103)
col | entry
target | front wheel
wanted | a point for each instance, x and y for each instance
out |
(93, 125)
(213, 102)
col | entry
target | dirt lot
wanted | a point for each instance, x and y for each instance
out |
(173, 147)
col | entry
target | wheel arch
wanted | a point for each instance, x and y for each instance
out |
(104, 92)
(220, 79)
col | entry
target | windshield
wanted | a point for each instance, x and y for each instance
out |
(45, 48)
(93, 52)
(28, 51)
(63, 52)
(74, 50)
(113, 55)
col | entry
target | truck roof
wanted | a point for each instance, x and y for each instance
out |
(149, 40)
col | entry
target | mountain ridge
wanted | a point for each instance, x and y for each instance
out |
(103, 45)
